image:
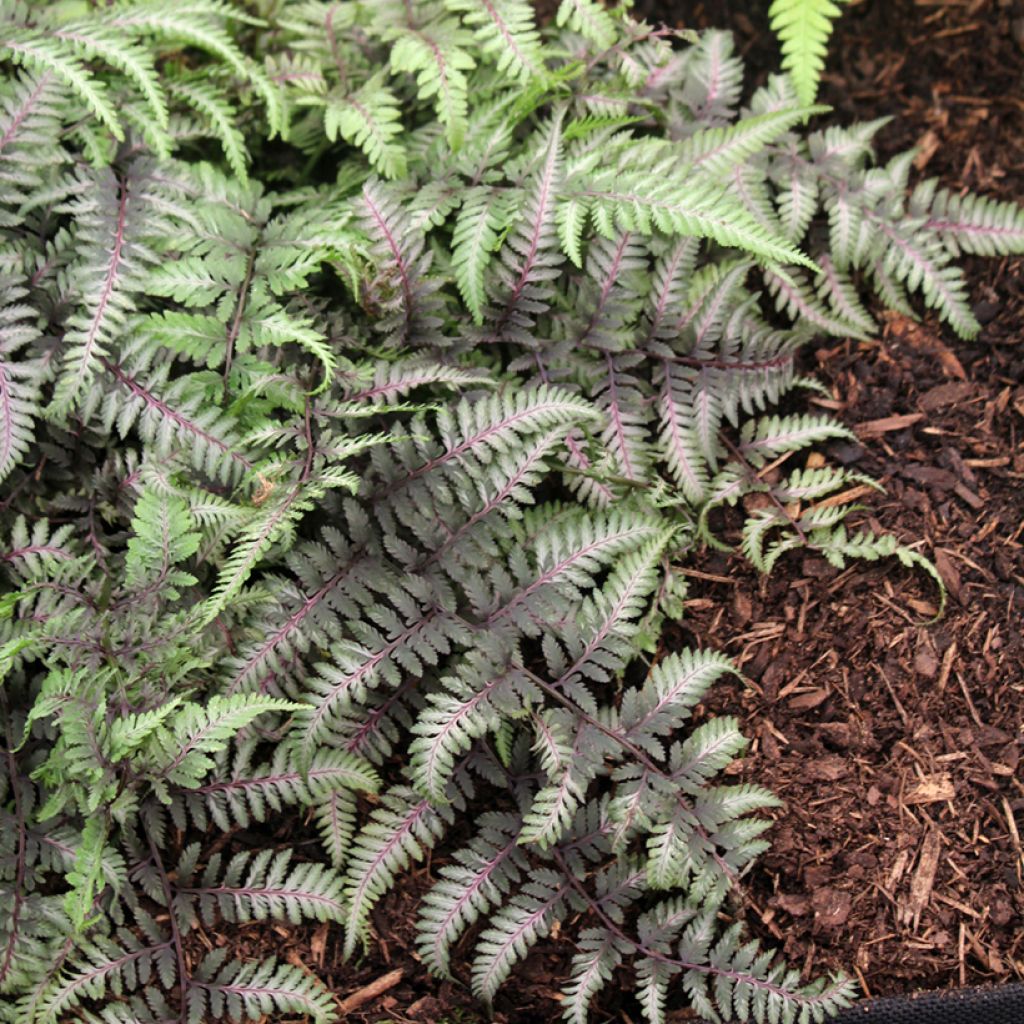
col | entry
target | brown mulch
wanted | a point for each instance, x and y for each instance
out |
(895, 743)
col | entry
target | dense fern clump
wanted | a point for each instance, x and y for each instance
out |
(367, 373)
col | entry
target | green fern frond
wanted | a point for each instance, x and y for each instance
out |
(804, 28)
(44, 54)
(440, 57)
(590, 19)
(212, 105)
(370, 119)
(478, 227)
(179, 754)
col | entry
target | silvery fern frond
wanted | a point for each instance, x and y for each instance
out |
(20, 398)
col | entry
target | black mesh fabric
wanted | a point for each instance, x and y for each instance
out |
(1002, 1005)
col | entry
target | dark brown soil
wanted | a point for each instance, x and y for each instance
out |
(896, 744)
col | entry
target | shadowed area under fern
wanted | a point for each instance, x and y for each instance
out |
(369, 372)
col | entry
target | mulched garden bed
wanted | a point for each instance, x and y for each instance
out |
(896, 744)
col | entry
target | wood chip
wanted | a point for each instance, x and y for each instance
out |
(968, 496)
(898, 868)
(860, 491)
(886, 425)
(931, 789)
(924, 879)
(948, 571)
(927, 146)
(946, 395)
(831, 907)
(793, 903)
(1011, 823)
(318, 944)
(811, 699)
(828, 768)
(947, 664)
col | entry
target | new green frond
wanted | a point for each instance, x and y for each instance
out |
(484, 213)
(370, 119)
(214, 109)
(803, 28)
(439, 57)
(163, 537)
(590, 19)
(43, 55)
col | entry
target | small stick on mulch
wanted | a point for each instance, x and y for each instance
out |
(367, 993)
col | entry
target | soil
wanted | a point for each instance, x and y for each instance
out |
(895, 743)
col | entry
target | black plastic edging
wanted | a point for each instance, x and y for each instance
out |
(1000, 1005)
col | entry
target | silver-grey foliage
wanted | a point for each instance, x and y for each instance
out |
(350, 475)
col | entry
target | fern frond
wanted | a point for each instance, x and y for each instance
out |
(717, 151)
(401, 286)
(175, 419)
(455, 717)
(678, 437)
(483, 214)
(255, 793)
(275, 520)
(922, 263)
(439, 56)
(98, 968)
(370, 118)
(43, 54)
(506, 33)
(106, 272)
(530, 257)
(261, 887)
(248, 991)
(401, 831)
(803, 28)
(212, 105)
(179, 754)
(715, 82)
(975, 224)
(676, 684)
(163, 537)
(19, 381)
(590, 19)
(600, 952)
(483, 873)
(515, 928)
(766, 439)
(683, 207)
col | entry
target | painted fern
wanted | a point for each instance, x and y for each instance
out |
(367, 374)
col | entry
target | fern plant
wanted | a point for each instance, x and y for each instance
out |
(368, 372)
